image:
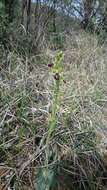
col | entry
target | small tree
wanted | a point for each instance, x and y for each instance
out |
(88, 7)
(9, 9)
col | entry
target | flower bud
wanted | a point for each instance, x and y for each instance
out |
(57, 76)
(50, 65)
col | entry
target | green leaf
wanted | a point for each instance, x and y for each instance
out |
(44, 179)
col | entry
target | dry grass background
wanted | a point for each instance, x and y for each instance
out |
(79, 145)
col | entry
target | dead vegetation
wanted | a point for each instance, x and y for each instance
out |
(77, 147)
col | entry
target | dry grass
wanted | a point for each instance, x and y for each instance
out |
(78, 144)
